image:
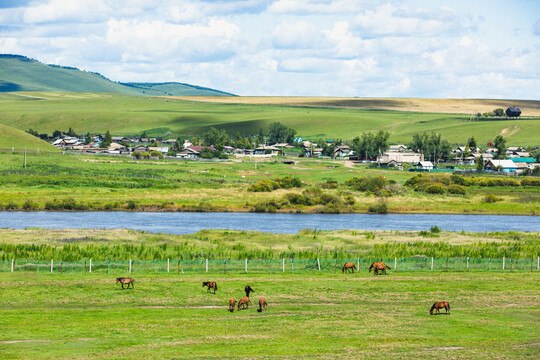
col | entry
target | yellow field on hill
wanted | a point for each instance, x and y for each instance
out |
(452, 106)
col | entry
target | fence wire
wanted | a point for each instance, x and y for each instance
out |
(265, 266)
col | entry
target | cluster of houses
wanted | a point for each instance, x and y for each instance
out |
(518, 159)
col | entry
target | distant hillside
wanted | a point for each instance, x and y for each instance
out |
(18, 139)
(19, 73)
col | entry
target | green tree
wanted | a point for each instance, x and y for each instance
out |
(500, 144)
(498, 112)
(56, 133)
(260, 137)
(480, 164)
(471, 143)
(215, 137)
(87, 138)
(107, 140)
(71, 133)
(280, 133)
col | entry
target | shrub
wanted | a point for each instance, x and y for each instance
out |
(11, 206)
(434, 189)
(145, 155)
(457, 189)
(132, 205)
(530, 182)
(297, 199)
(435, 229)
(155, 153)
(264, 186)
(490, 199)
(29, 205)
(330, 184)
(379, 208)
(367, 184)
(349, 199)
(457, 179)
(289, 182)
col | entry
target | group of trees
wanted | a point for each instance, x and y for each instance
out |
(369, 146)
(433, 146)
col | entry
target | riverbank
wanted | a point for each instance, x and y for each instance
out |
(67, 182)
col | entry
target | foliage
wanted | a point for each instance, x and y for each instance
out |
(456, 189)
(500, 144)
(490, 199)
(107, 141)
(279, 133)
(434, 189)
(380, 208)
(286, 182)
(498, 112)
(216, 138)
(369, 146)
(434, 147)
(155, 153)
(530, 181)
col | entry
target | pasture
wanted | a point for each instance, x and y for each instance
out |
(171, 117)
(493, 315)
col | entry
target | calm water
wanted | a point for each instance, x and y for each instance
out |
(185, 223)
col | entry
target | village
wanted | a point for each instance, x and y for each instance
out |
(517, 159)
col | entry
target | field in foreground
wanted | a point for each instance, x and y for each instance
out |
(493, 315)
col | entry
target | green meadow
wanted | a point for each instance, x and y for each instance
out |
(493, 315)
(73, 182)
(169, 117)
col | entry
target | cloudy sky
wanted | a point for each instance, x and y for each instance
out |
(368, 48)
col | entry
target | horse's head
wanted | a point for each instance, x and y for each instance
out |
(118, 280)
(431, 311)
(205, 283)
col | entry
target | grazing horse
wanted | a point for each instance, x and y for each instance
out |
(440, 305)
(248, 290)
(379, 266)
(211, 285)
(348, 267)
(232, 303)
(123, 280)
(262, 305)
(244, 303)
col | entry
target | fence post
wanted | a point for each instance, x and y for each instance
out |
(178, 266)
(168, 265)
(130, 266)
(224, 269)
(489, 264)
(319, 264)
(467, 263)
(335, 266)
(90, 265)
(283, 264)
(84, 267)
(108, 266)
(246, 266)
(292, 265)
(52, 265)
(432, 263)
(503, 262)
(206, 265)
(12, 264)
(403, 261)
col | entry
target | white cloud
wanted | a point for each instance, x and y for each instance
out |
(299, 35)
(304, 7)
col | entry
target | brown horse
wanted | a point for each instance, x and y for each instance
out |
(248, 290)
(348, 267)
(244, 303)
(440, 305)
(232, 303)
(123, 280)
(379, 266)
(211, 285)
(262, 305)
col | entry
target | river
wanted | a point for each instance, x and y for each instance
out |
(186, 223)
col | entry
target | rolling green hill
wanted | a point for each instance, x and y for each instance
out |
(11, 138)
(19, 73)
(131, 115)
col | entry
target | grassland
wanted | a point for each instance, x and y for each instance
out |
(331, 316)
(11, 138)
(128, 115)
(118, 183)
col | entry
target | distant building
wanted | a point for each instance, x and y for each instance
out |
(506, 166)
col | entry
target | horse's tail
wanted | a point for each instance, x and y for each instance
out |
(388, 267)
(448, 304)
(215, 286)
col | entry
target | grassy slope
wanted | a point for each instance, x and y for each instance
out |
(18, 139)
(109, 183)
(132, 115)
(493, 315)
(23, 74)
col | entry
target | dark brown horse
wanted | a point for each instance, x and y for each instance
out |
(262, 305)
(248, 290)
(123, 280)
(349, 267)
(440, 305)
(232, 303)
(379, 266)
(211, 285)
(244, 303)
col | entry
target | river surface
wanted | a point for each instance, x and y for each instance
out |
(186, 223)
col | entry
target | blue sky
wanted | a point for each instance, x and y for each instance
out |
(366, 48)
